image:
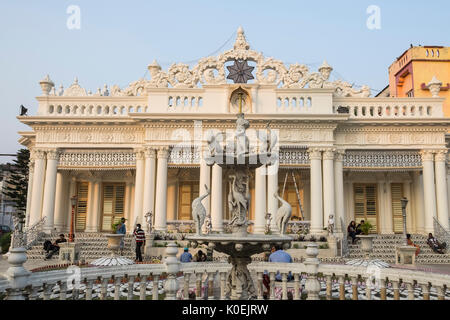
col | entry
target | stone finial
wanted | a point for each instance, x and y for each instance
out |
(105, 91)
(154, 68)
(241, 43)
(61, 90)
(325, 70)
(434, 86)
(46, 85)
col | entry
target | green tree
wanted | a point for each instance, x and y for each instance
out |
(16, 185)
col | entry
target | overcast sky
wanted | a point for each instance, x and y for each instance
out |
(118, 39)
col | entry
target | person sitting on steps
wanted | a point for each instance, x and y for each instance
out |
(52, 248)
(351, 230)
(411, 243)
(435, 244)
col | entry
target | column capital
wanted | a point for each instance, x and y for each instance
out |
(31, 165)
(339, 155)
(315, 153)
(163, 152)
(139, 153)
(328, 153)
(150, 152)
(53, 154)
(427, 155)
(441, 155)
(39, 154)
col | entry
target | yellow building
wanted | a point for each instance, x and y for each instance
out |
(415, 68)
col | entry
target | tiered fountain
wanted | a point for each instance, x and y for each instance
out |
(239, 245)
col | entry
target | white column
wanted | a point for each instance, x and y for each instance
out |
(48, 206)
(315, 156)
(139, 189)
(272, 188)
(441, 188)
(407, 195)
(216, 199)
(260, 200)
(339, 191)
(30, 189)
(149, 183)
(93, 206)
(205, 179)
(419, 204)
(61, 192)
(38, 186)
(389, 221)
(328, 185)
(429, 190)
(128, 199)
(161, 190)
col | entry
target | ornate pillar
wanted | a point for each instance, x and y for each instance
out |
(389, 222)
(128, 199)
(419, 204)
(429, 190)
(149, 183)
(205, 179)
(216, 199)
(339, 191)
(441, 187)
(315, 156)
(139, 188)
(30, 188)
(161, 190)
(328, 185)
(260, 200)
(94, 195)
(38, 186)
(48, 206)
(60, 196)
(272, 188)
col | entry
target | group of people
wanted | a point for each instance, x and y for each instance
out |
(353, 230)
(186, 256)
(434, 244)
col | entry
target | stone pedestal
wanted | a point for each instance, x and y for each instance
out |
(149, 243)
(332, 244)
(17, 274)
(405, 255)
(69, 252)
(366, 244)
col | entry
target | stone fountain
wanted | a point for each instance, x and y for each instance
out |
(240, 245)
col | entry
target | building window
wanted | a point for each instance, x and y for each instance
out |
(113, 204)
(82, 206)
(187, 193)
(410, 93)
(397, 194)
(365, 202)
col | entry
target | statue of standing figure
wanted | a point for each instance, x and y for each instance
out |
(199, 211)
(149, 220)
(330, 224)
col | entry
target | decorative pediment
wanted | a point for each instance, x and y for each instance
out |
(213, 70)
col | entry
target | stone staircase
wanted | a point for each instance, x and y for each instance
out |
(384, 249)
(92, 246)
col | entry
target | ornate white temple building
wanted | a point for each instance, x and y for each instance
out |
(126, 152)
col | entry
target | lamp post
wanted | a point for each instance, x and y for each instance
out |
(73, 201)
(404, 202)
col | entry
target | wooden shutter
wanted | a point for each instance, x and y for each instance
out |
(189, 190)
(113, 204)
(82, 206)
(365, 204)
(397, 194)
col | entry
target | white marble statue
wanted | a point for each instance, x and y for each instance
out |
(283, 214)
(199, 211)
(149, 220)
(208, 224)
(330, 224)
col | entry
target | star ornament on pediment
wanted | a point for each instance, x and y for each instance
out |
(240, 71)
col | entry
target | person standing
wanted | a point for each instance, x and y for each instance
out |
(139, 236)
(186, 256)
(122, 229)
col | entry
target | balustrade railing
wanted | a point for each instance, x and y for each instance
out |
(34, 233)
(208, 280)
(440, 233)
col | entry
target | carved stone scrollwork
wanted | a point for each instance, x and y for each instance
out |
(275, 74)
(53, 154)
(163, 152)
(39, 154)
(205, 71)
(382, 159)
(181, 77)
(315, 153)
(294, 76)
(328, 154)
(75, 90)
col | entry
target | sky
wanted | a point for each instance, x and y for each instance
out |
(118, 39)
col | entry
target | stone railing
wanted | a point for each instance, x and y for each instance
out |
(440, 233)
(385, 108)
(298, 227)
(208, 280)
(34, 233)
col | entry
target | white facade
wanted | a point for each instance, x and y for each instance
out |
(119, 150)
